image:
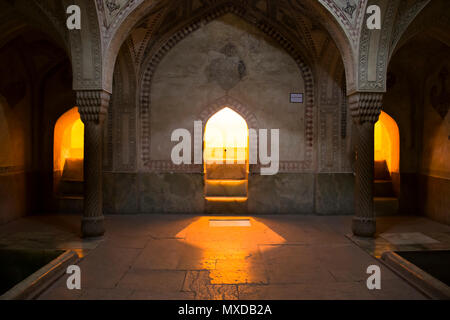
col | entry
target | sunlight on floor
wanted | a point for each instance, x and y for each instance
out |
(230, 253)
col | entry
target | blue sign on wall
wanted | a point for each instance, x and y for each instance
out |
(296, 97)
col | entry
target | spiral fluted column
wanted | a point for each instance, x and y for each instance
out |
(93, 106)
(365, 109)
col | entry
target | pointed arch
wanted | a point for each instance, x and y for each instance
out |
(226, 129)
(134, 11)
(387, 142)
(233, 104)
(154, 60)
(68, 139)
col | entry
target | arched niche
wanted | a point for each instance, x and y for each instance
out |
(68, 141)
(387, 143)
(226, 157)
(226, 138)
(227, 57)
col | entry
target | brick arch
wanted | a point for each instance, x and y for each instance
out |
(172, 41)
(233, 104)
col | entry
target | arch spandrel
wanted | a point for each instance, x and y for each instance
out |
(433, 19)
(86, 49)
(375, 46)
(302, 69)
(133, 12)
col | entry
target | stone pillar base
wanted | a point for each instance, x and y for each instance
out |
(363, 227)
(92, 227)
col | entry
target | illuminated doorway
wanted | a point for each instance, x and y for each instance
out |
(68, 150)
(387, 143)
(226, 155)
(386, 170)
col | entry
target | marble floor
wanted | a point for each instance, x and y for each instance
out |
(192, 257)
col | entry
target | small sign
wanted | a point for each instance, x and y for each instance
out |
(296, 97)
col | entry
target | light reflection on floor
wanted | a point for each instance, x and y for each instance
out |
(231, 254)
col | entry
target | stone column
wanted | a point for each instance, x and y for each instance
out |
(93, 106)
(365, 109)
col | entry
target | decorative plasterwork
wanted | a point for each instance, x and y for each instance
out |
(280, 15)
(437, 17)
(81, 40)
(365, 107)
(405, 15)
(121, 135)
(164, 48)
(350, 15)
(369, 51)
(297, 25)
(111, 10)
(93, 105)
(397, 16)
(138, 39)
(232, 103)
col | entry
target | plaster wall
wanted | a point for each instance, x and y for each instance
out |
(15, 148)
(227, 57)
(435, 164)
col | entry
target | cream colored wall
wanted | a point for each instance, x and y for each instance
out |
(183, 87)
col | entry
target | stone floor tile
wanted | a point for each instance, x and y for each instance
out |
(326, 291)
(164, 254)
(105, 294)
(103, 267)
(153, 280)
(60, 293)
(151, 295)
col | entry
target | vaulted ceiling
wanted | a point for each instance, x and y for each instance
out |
(282, 15)
(309, 25)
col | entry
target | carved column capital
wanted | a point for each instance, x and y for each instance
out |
(365, 107)
(93, 105)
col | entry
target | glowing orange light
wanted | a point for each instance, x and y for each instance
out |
(226, 157)
(68, 138)
(227, 199)
(226, 137)
(77, 140)
(231, 254)
(387, 142)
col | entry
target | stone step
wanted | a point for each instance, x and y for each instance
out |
(381, 171)
(70, 204)
(385, 206)
(383, 188)
(226, 205)
(226, 171)
(226, 188)
(71, 187)
(73, 169)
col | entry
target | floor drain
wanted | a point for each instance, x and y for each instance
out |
(230, 223)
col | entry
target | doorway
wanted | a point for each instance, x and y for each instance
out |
(226, 158)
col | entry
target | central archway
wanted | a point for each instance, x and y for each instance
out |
(226, 157)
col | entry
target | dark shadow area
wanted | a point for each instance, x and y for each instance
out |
(17, 265)
(435, 263)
